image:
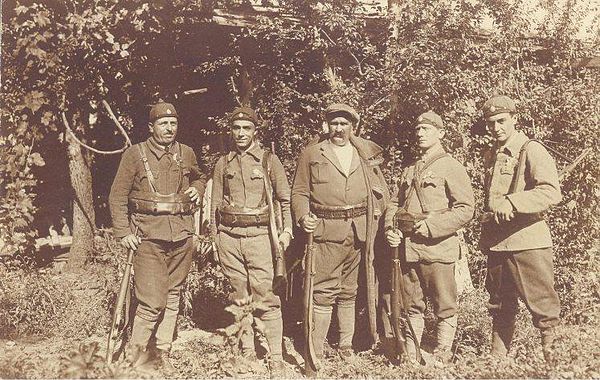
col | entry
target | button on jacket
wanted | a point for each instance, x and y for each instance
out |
(244, 174)
(131, 176)
(537, 190)
(447, 195)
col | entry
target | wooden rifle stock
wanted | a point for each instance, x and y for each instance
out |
(120, 318)
(310, 360)
(277, 249)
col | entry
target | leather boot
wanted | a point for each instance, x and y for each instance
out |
(548, 336)
(446, 329)
(418, 324)
(274, 335)
(501, 339)
(321, 321)
(346, 319)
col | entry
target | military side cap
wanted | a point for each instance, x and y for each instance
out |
(162, 110)
(431, 118)
(499, 104)
(341, 108)
(243, 113)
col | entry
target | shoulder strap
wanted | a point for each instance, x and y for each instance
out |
(226, 188)
(266, 164)
(414, 185)
(147, 168)
(520, 167)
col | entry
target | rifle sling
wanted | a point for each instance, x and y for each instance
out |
(416, 181)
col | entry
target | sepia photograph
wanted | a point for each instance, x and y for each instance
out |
(289, 189)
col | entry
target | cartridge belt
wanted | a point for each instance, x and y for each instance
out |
(339, 212)
(231, 216)
(160, 204)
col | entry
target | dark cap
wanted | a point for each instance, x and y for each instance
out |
(431, 118)
(162, 110)
(243, 113)
(499, 104)
(341, 108)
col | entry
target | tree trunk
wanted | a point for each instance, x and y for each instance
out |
(83, 206)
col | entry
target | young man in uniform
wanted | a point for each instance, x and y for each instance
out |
(240, 214)
(156, 188)
(436, 193)
(339, 195)
(521, 183)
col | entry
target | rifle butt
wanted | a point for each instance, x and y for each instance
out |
(119, 306)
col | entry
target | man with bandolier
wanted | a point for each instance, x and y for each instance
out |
(156, 188)
(338, 196)
(521, 182)
(240, 213)
(435, 199)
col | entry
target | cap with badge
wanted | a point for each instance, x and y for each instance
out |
(431, 118)
(162, 109)
(341, 109)
(499, 104)
(243, 113)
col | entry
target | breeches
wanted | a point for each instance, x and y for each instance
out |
(527, 274)
(336, 271)
(248, 263)
(435, 280)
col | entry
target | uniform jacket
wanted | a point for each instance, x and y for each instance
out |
(245, 174)
(537, 190)
(445, 186)
(320, 179)
(131, 176)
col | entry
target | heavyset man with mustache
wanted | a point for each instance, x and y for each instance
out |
(240, 219)
(339, 195)
(151, 202)
(436, 187)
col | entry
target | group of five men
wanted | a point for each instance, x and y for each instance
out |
(339, 195)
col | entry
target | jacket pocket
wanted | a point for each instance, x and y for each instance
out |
(318, 172)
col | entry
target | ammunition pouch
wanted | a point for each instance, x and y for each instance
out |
(231, 216)
(160, 204)
(339, 212)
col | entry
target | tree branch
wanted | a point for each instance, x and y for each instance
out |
(118, 124)
(70, 131)
(235, 90)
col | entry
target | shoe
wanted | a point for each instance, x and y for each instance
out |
(162, 362)
(277, 369)
(346, 353)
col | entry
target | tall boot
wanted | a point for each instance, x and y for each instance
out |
(501, 338)
(418, 324)
(321, 321)
(346, 320)
(446, 329)
(548, 336)
(274, 335)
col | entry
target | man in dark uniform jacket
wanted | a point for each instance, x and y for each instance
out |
(152, 198)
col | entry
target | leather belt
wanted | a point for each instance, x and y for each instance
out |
(339, 212)
(160, 204)
(243, 217)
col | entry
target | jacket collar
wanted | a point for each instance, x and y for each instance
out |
(514, 144)
(255, 151)
(158, 150)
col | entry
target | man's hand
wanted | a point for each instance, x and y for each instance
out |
(393, 237)
(421, 229)
(309, 223)
(504, 211)
(131, 241)
(284, 240)
(194, 194)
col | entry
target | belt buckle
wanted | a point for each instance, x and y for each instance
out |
(257, 218)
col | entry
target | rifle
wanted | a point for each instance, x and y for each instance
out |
(400, 306)
(276, 247)
(310, 360)
(120, 318)
(488, 216)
